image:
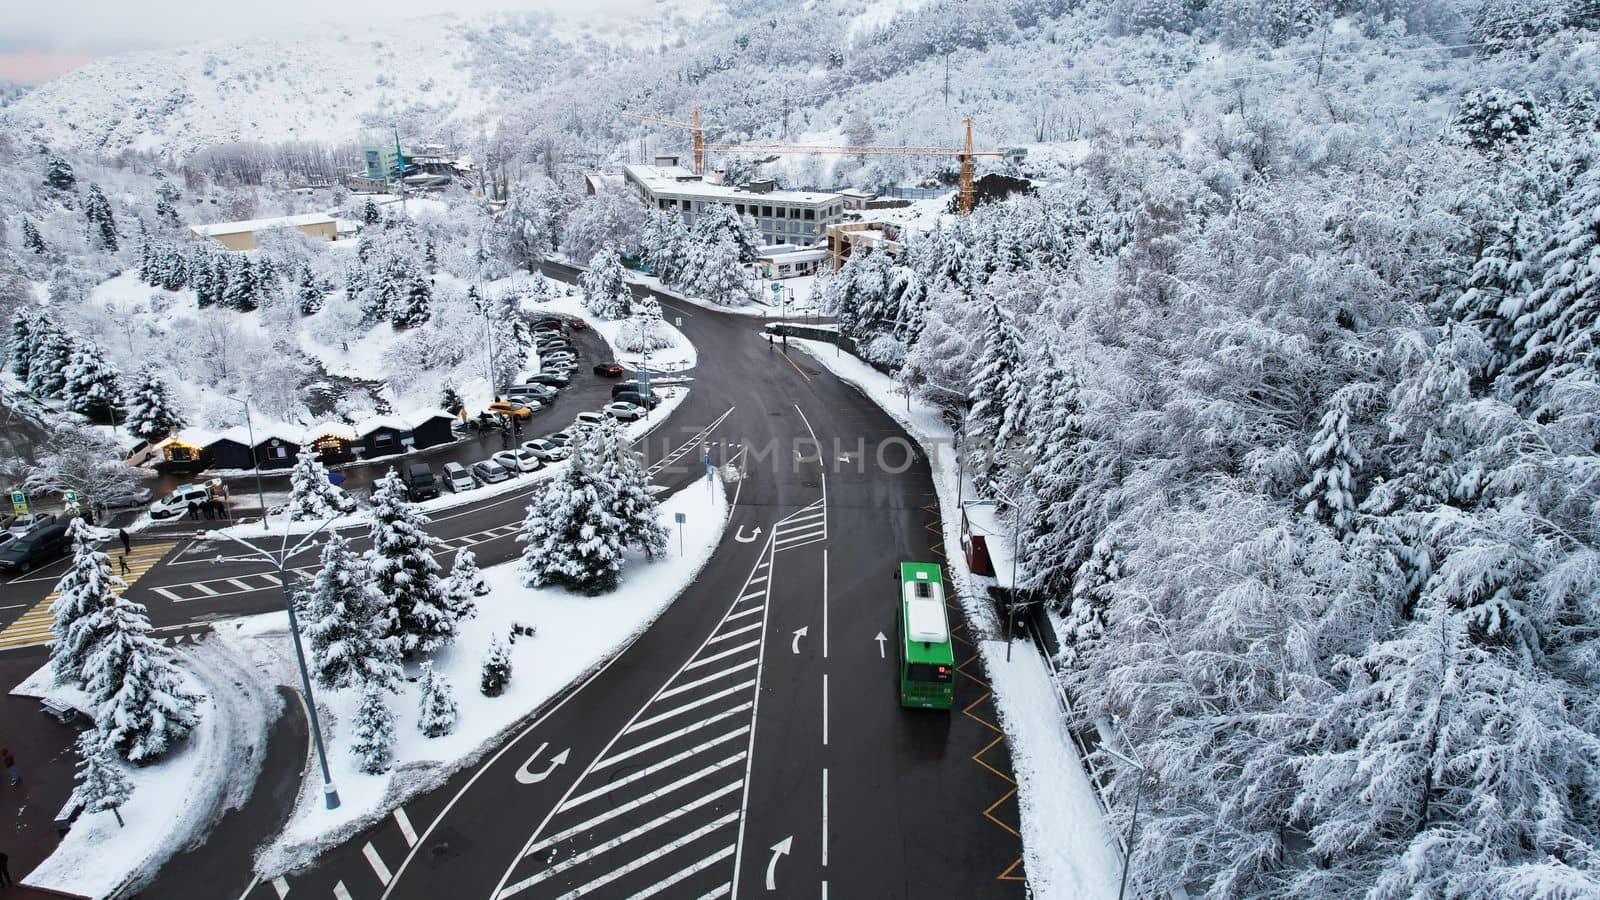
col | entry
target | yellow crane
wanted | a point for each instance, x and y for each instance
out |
(964, 154)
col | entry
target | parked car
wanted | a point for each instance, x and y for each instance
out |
(543, 393)
(551, 338)
(419, 481)
(127, 498)
(41, 546)
(518, 460)
(579, 325)
(513, 409)
(184, 498)
(624, 412)
(560, 439)
(21, 525)
(489, 472)
(553, 379)
(587, 419)
(550, 359)
(608, 370)
(638, 399)
(623, 387)
(547, 450)
(456, 477)
(546, 323)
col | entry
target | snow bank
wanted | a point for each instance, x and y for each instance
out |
(677, 357)
(571, 642)
(175, 802)
(1069, 852)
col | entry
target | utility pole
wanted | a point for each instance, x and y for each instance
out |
(400, 169)
(255, 459)
(947, 80)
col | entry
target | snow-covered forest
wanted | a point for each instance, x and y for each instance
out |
(1287, 361)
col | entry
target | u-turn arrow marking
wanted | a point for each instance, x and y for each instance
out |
(740, 535)
(526, 775)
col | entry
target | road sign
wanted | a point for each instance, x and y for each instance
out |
(19, 501)
(70, 496)
(678, 321)
(680, 518)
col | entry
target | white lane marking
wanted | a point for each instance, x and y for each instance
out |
(166, 593)
(760, 593)
(686, 872)
(679, 710)
(646, 772)
(734, 633)
(742, 613)
(404, 821)
(723, 655)
(824, 817)
(340, 891)
(651, 745)
(281, 886)
(709, 678)
(756, 581)
(750, 755)
(824, 709)
(824, 602)
(202, 588)
(239, 584)
(639, 863)
(376, 861)
(650, 824)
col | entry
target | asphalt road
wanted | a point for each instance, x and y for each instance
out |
(750, 743)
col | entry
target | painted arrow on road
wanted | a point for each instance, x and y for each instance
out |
(880, 639)
(525, 775)
(739, 535)
(779, 849)
(798, 634)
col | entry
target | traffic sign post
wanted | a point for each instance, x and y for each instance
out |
(19, 503)
(680, 518)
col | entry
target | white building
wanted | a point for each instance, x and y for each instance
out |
(784, 217)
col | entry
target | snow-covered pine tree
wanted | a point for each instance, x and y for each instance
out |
(605, 292)
(58, 173)
(91, 384)
(166, 204)
(147, 258)
(174, 268)
(372, 736)
(81, 594)
(998, 395)
(312, 496)
(369, 213)
(413, 306)
(571, 533)
(496, 669)
(719, 221)
(436, 710)
(19, 349)
(31, 239)
(1057, 417)
(243, 291)
(645, 330)
(344, 623)
(150, 413)
(1334, 462)
(713, 271)
(102, 785)
(632, 502)
(47, 366)
(143, 705)
(450, 399)
(662, 240)
(102, 224)
(405, 574)
(1559, 333)
(310, 291)
(1084, 622)
(465, 584)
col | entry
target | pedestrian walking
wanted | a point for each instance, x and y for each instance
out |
(5, 871)
(127, 545)
(122, 560)
(194, 511)
(10, 762)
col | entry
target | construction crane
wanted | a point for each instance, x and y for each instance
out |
(964, 154)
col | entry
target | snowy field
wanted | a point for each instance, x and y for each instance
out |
(571, 641)
(1068, 851)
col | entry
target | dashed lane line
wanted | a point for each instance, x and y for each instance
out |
(404, 821)
(376, 862)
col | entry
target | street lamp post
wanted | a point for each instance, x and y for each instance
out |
(488, 343)
(255, 460)
(280, 561)
(1133, 821)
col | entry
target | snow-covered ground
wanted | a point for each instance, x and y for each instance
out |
(1068, 851)
(572, 640)
(174, 801)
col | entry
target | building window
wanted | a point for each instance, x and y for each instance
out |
(766, 211)
(739, 208)
(683, 205)
(811, 214)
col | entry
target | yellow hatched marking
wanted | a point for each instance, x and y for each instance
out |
(32, 628)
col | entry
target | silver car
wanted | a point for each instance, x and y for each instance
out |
(489, 472)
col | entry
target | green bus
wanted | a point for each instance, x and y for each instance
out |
(927, 659)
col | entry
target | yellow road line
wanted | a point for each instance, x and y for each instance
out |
(32, 628)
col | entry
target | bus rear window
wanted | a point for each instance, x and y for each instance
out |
(927, 672)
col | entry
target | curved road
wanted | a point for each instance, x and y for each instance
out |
(750, 743)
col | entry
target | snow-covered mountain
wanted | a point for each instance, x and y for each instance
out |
(319, 86)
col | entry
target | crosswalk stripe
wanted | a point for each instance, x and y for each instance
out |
(632, 866)
(688, 871)
(376, 861)
(742, 613)
(727, 887)
(239, 584)
(340, 891)
(723, 655)
(649, 770)
(281, 886)
(709, 678)
(651, 745)
(728, 634)
(696, 704)
(33, 627)
(634, 804)
(404, 821)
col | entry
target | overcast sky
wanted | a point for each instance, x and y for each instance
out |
(39, 40)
